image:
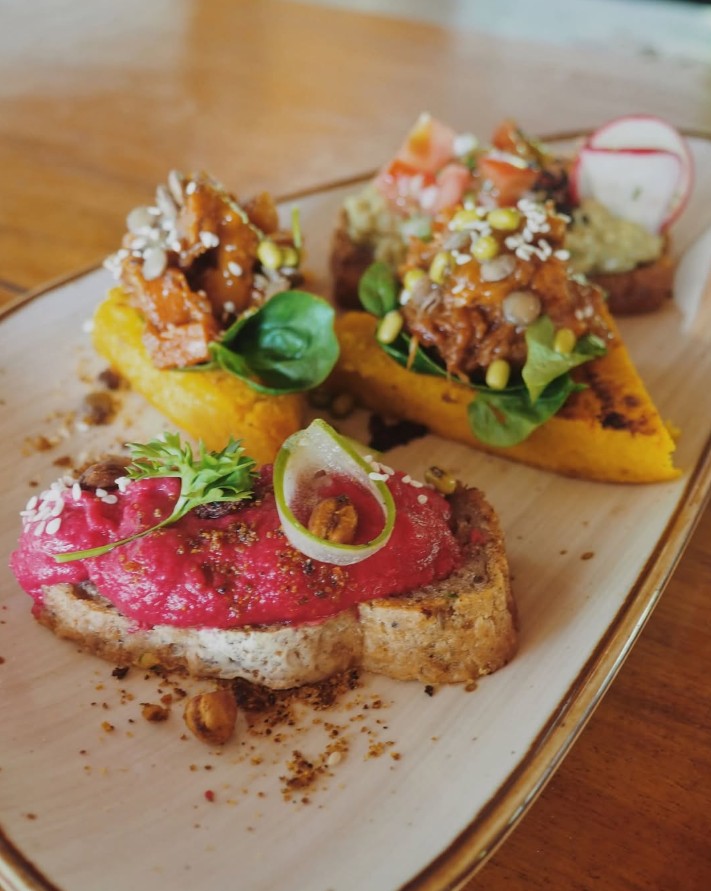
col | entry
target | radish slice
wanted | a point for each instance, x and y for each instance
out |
(636, 184)
(650, 132)
(301, 460)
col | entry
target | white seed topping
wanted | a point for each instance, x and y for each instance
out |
(155, 260)
(140, 220)
(53, 526)
(209, 239)
(498, 269)
(175, 184)
(422, 499)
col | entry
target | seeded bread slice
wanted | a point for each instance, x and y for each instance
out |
(452, 631)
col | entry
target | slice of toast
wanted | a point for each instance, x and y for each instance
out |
(452, 631)
(209, 405)
(611, 431)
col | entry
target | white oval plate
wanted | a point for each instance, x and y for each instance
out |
(429, 784)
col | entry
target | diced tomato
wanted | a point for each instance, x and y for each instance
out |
(429, 145)
(505, 138)
(401, 182)
(452, 182)
(510, 180)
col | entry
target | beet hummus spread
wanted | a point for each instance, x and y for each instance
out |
(232, 566)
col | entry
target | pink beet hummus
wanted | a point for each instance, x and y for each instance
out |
(233, 570)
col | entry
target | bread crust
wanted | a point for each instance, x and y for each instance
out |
(452, 631)
(210, 405)
(642, 289)
(348, 261)
(610, 431)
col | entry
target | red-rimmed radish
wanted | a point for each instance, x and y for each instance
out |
(639, 185)
(640, 132)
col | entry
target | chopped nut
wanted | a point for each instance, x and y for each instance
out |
(154, 713)
(212, 716)
(334, 519)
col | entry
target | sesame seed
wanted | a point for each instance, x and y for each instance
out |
(101, 493)
(209, 239)
(76, 491)
(378, 477)
(234, 268)
(109, 499)
(53, 526)
(422, 499)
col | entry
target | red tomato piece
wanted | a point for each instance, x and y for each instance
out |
(510, 180)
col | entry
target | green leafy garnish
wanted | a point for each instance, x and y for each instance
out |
(378, 289)
(544, 364)
(227, 475)
(414, 360)
(286, 346)
(507, 417)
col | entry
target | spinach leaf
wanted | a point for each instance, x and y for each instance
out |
(422, 362)
(507, 417)
(378, 290)
(286, 346)
(544, 364)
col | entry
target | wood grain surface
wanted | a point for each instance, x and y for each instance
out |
(98, 101)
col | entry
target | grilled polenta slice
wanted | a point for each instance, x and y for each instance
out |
(609, 432)
(208, 405)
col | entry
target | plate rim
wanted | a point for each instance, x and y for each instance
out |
(493, 823)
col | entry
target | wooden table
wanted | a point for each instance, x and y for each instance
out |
(98, 101)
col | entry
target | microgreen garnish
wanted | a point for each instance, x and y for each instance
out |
(227, 475)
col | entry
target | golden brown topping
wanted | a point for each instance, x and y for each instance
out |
(477, 308)
(334, 519)
(212, 716)
(192, 264)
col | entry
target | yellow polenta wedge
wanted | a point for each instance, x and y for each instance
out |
(610, 431)
(208, 405)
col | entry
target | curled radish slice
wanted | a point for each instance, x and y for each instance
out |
(638, 185)
(300, 464)
(648, 132)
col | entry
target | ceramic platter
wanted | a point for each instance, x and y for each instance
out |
(93, 796)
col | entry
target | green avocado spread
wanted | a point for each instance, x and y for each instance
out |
(600, 242)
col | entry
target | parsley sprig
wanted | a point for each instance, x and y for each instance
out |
(227, 475)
